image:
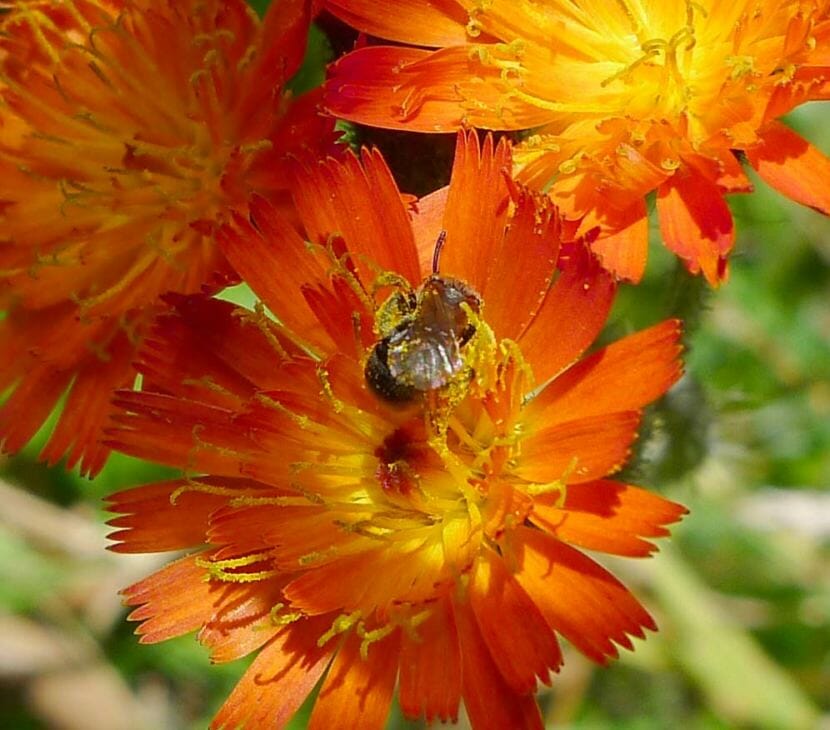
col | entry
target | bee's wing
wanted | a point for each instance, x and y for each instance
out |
(425, 360)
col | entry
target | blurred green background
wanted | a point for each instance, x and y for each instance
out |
(741, 593)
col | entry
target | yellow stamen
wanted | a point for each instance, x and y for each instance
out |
(220, 569)
(370, 637)
(202, 488)
(280, 617)
(259, 318)
(340, 625)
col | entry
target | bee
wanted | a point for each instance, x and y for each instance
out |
(424, 349)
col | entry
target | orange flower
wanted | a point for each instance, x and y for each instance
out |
(126, 129)
(392, 477)
(626, 98)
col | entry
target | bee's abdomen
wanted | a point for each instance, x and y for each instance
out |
(380, 379)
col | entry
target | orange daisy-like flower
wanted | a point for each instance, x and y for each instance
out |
(390, 480)
(126, 129)
(626, 98)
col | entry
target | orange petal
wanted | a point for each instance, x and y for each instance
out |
(808, 84)
(731, 176)
(428, 222)
(488, 699)
(151, 521)
(272, 258)
(293, 536)
(173, 601)
(608, 516)
(181, 433)
(88, 406)
(370, 86)
(430, 668)
(353, 583)
(278, 57)
(696, 224)
(53, 336)
(529, 20)
(522, 265)
(359, 201)
(577, 597)
(625, 376)
(571, 316)
(285, 33)
(433, 23)
(792, 166)
(242, 620)
(279, 680)
(427, 91)
(578, 451)
(211, 341)
(303, 130)
(338, 585)
(47, 352)
(520, 642)
(338, 308)
(30, 403)
(357, 691)
(476, 210)
(624, 251)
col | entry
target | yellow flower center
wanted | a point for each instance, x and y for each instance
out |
(693, 65)
(657, 72)
(448, 450)
(416, 486)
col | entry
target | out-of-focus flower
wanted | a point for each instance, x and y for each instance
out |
(625, 99)
(126, 131)
(390, 481)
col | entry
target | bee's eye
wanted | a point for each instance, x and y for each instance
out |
(453, 295)
(380, 379)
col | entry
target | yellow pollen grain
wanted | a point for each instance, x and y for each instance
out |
(537, 490)
(370, 637)
(473, 28)
(327, 391)
(316, 557)
(199, 444)
(246, 59)
(340, 625)
(36, 20)
(208, 383)
(100, 351)
(259, 319)
(339, 266)
(220, 569)
(279, 617)
(301, 420)
(202, 488)
(251, 501)
(366, 528)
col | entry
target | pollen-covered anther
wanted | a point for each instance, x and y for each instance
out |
(371, 636)
(231, 570)
(279, 616)
(343, 623)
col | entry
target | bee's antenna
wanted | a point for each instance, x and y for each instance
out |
(436, 252)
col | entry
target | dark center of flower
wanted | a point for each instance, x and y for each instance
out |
(396, 456)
